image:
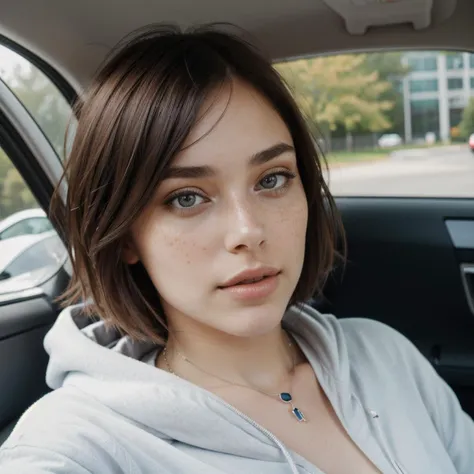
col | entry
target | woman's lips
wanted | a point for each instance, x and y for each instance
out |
(253, 291)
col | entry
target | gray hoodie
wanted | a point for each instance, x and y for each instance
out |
(112, 412)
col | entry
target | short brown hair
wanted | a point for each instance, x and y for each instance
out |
(132, 121)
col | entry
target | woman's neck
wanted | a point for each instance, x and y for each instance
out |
(263, 362)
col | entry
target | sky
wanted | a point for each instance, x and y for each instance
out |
(8, 60)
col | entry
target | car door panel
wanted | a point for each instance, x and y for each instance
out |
(25, 318)
(24, 374)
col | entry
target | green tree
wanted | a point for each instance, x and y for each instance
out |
(5, 166)
(14, 194)
(44, 102)
(466, 127)
(339, 91)
(17, 196)
(51, 112)
(390, 68)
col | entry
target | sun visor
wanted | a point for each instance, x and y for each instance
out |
(359, 15)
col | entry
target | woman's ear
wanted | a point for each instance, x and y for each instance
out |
(130, 252)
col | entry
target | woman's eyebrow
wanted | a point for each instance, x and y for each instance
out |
(268, 154)
(259, 158)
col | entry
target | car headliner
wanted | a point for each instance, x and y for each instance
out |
(75, 36)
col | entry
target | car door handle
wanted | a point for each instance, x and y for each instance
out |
(19, 296)
(467, 277)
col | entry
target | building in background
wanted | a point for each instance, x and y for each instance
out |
(435, 92)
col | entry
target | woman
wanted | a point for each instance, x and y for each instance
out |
(198, 223)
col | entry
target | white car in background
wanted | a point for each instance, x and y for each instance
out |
(24, 260)
(390, 140)
(27, 222)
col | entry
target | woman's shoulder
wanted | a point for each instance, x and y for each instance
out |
(62, 411)
(366, 342)
(363, 334)
(375, 346)
(372, 335)
(61, 428)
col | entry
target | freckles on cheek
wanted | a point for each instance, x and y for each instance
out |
(297, 219)
(186, 248)
(295, 214)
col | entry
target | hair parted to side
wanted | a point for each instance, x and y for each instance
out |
(132, 121)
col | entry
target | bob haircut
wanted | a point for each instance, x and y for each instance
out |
(132, 121)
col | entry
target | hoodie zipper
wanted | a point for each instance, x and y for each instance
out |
(268, 434)
(383, 442)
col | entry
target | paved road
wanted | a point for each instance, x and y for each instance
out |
(443, 172)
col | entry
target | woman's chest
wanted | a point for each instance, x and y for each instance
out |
(389, 433)
(321, 440)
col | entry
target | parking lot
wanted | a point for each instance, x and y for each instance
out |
(434, 172)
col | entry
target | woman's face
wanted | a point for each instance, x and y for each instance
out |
(232, 202)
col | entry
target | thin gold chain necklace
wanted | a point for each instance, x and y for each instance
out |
(284, 397)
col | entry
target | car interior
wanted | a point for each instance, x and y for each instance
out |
(410, 259)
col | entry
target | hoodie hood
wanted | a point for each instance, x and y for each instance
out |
(107, 366)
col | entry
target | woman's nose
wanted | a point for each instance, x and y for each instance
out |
(245, 229)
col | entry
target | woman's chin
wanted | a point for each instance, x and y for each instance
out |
(253, 321)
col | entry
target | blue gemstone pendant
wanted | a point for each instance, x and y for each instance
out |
(298, 414)
(286, 397)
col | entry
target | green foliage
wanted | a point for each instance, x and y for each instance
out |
(14, 194)
(390, 68)
(466, 127)
(354, 92)
(52, 113)
(44, 102)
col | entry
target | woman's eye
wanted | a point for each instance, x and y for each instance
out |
(186, 201)
(276, 180)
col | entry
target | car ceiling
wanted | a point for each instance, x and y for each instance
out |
(75, 36)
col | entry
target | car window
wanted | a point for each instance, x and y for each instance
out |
(38, 225)
(394, 123)
(39, 95)
(29, 246)
(20, 228)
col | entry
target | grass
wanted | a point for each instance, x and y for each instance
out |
(344, 157)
